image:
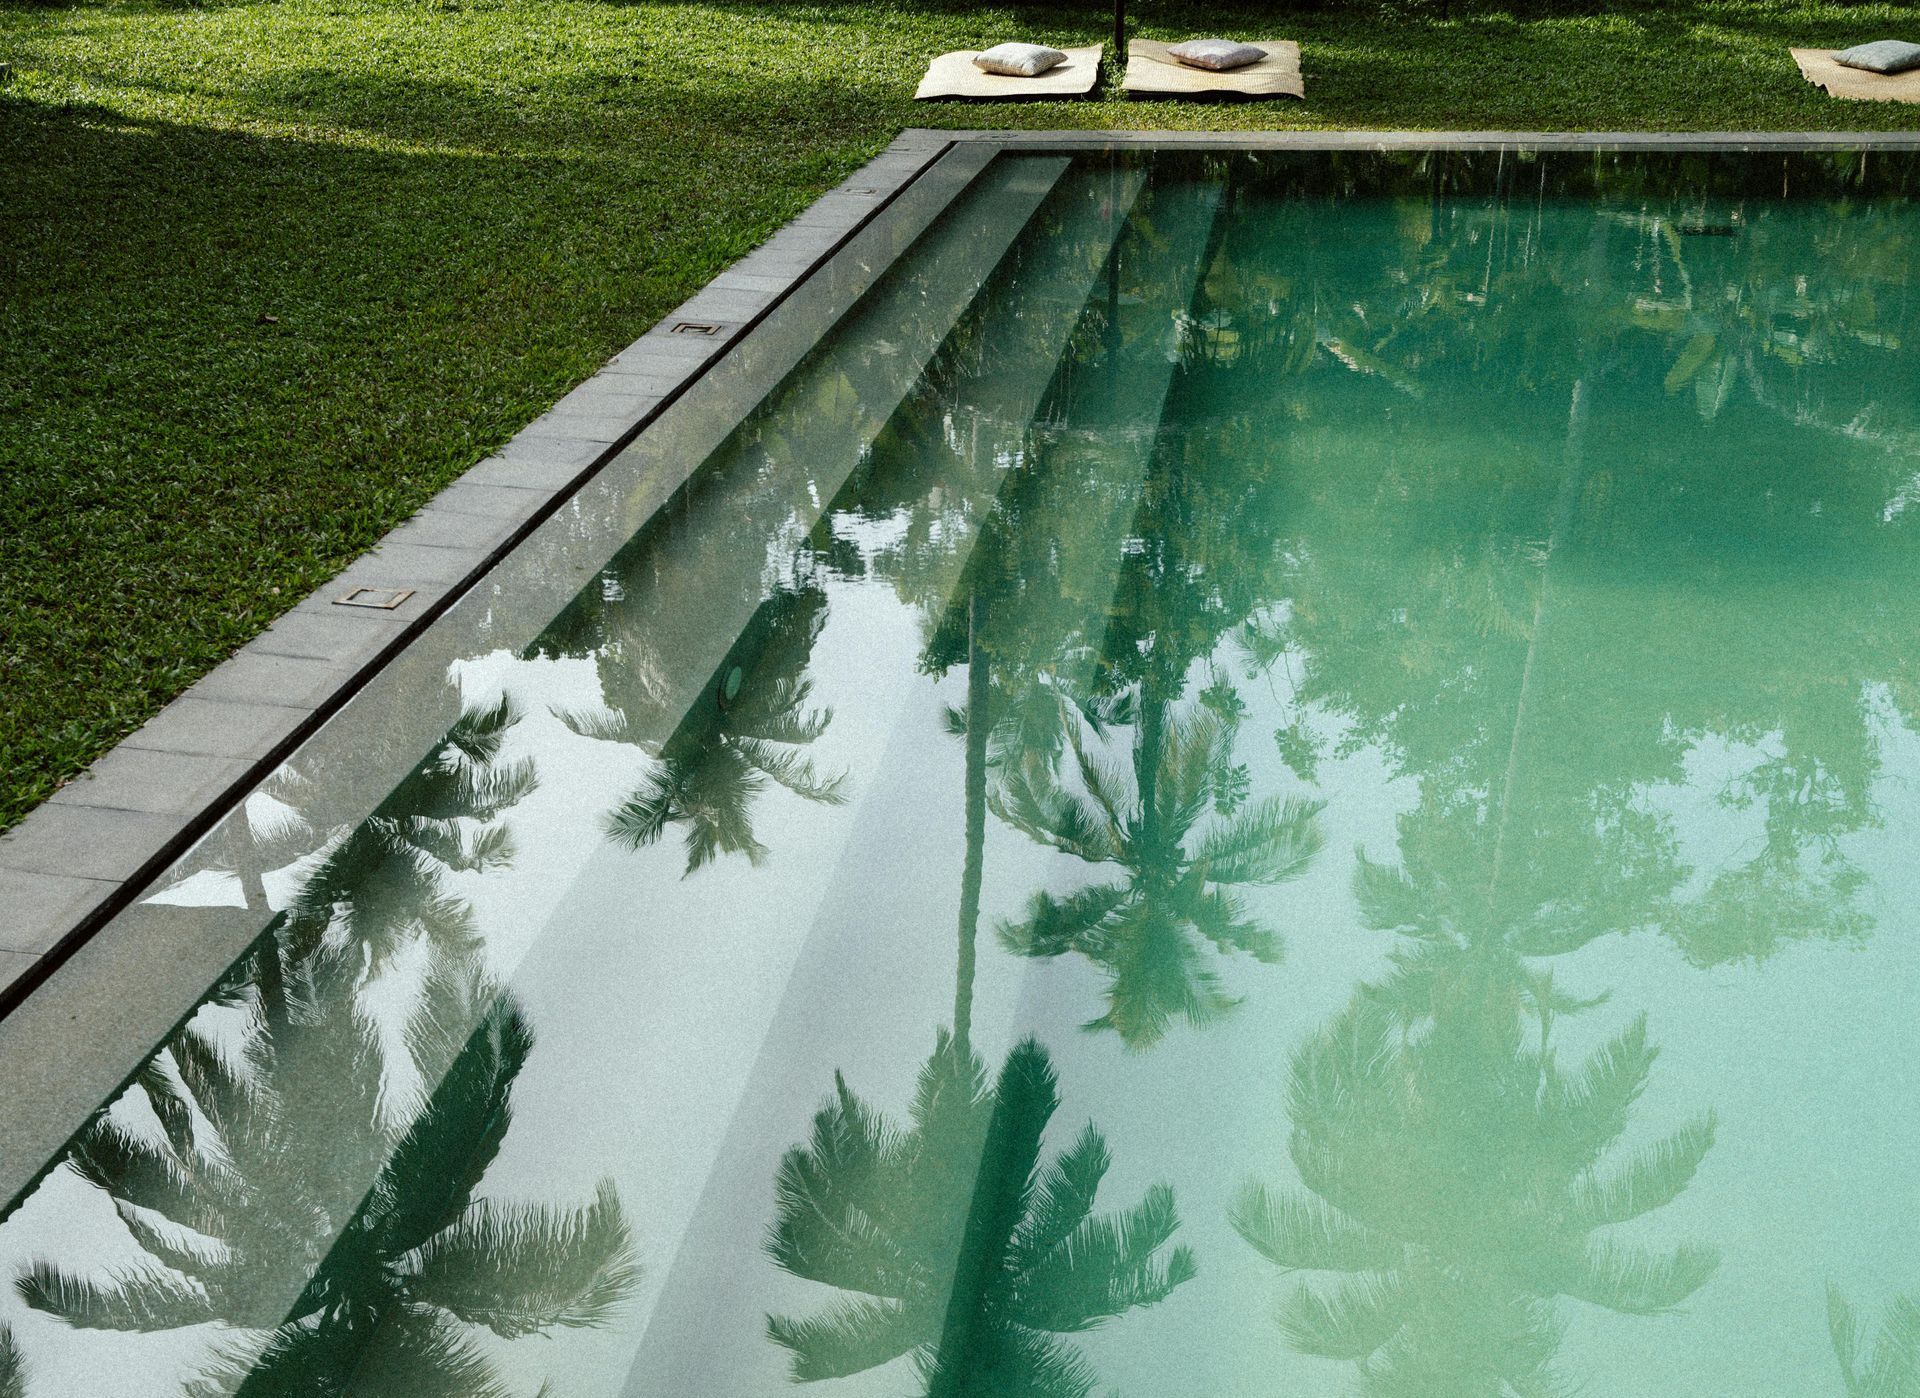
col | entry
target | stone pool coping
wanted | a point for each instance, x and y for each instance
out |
(86, 854)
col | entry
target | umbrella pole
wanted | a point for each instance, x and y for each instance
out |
(1120, 31)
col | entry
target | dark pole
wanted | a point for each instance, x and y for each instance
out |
(1120, 32)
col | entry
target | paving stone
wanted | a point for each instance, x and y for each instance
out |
(215, 728)
(803, 238)
(349, 637)
(787, 265)
(531, 475)
(599, 396)
(909, 152)
(84, 842)
(750, 281)
(582, 416)
(494, 501)
(890, 172)
(661, 350)
(562, 438)
(438, 528)
(145, 779)
(723, 304)
(663, 353)
(790, 263)
(36, 909)
(836, 210)
(257, 677)
(575, 436)
(638, 384)
(418, 566)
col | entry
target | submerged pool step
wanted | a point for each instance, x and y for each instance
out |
(1017, 338)
(1104, 420)
(1163, 242)
(774, 478)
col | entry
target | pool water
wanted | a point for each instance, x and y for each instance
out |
(1288, 773)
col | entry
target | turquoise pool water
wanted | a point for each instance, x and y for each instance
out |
(1268, 774)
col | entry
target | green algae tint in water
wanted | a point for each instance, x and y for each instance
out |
(1313, 792)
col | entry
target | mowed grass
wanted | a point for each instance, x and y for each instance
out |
(273, 273)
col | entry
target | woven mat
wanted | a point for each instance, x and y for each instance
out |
(1838, 80)
(953, 75)
(1149, 70)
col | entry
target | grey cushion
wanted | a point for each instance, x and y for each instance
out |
(1215, 55)
(1019, 60)
(1881, 56)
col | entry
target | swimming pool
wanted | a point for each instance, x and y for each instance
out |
(1282, 771)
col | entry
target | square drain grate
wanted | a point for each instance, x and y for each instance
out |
(383, 599)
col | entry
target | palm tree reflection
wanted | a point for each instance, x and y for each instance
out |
(13, 1371)
(966, 1254)
(309, 1172)
(1148, 930)
(746, 731)
(353, 1251)
(1888, 1366)
(1458, 1180)
(382, 884)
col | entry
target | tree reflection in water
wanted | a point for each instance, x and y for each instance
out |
(289, 1184)
(1460, 1178)
(1149, 931)
(747, 732)
(13, 1369)
(354, 1250)
(960, 1249)
(1888, 1364)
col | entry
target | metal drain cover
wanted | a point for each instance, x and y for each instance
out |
(383, 599)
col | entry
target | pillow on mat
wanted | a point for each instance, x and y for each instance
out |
(1019, 60)
(1881, 56)
(1215, 55)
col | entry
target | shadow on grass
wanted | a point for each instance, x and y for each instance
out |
(649, 108)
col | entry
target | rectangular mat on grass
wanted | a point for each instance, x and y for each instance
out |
(1150, 72)
(953, 75)
(1838, 80)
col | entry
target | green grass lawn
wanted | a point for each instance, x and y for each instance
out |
(273, 273)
